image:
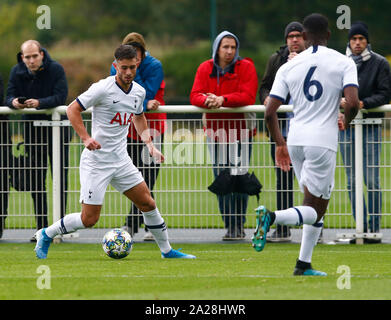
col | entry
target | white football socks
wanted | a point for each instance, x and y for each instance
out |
(309, 239)
(70, 223)
(155, 224)
(296, 216)
(306, 216)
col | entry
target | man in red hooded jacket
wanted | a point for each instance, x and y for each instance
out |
(227, 80)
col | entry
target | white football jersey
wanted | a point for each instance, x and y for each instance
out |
(315, 79)
(112, 110)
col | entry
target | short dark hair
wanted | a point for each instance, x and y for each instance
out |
(125, 51)
(317, 25)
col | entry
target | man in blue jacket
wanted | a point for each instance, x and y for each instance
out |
(38, 82)
(151, 77)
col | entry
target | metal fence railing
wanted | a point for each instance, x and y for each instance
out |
(40, 174)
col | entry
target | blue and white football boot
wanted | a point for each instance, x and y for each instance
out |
(308, 272)
(305, 269)
(43, 244)
(176, 254)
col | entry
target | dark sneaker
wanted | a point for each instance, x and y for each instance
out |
(234, 235)
(305, 269)
(264, 220)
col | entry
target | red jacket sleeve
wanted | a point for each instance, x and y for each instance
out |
(200, 86)
(248, 86)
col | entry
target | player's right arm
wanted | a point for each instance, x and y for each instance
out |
(282, 156)
(277, 97)
(74, 111)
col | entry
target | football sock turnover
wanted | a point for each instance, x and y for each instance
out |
(70, 223)
(296, 216)
(155, 224)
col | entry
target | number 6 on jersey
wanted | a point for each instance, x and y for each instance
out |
(308, 83)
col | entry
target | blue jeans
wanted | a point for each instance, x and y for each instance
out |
(372, 137)
(233, 206)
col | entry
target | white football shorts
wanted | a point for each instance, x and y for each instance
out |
(314, 168)
(94, 180)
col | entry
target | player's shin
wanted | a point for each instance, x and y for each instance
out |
(155, 224)
(309, 239)
(70, 223)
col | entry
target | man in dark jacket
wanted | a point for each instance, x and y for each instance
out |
(374, 80)
(5, 152)
(39, 82)
(294, 45)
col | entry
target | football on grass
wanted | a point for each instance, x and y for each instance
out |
(117, 243)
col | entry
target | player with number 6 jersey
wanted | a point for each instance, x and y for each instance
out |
(315, 80)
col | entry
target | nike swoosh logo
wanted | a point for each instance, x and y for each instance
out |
(116, 101)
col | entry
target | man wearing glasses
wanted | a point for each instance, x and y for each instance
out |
(293, 46)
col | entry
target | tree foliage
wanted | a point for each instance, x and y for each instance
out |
(259, 24)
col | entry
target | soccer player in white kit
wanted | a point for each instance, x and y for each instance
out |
(105, 160)
(315, 79)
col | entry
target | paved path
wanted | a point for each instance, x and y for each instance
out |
(330, 236)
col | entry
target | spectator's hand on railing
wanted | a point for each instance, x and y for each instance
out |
(153, 104)
(18, 105)
(91, 144)
(32, 103)
(214, 102)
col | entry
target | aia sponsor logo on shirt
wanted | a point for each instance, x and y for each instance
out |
(122, 119)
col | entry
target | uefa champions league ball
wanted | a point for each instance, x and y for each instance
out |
(117, 243)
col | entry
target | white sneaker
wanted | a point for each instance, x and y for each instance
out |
(148, 236)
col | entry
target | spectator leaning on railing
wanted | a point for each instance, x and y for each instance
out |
(38, 82)
(150, 76)
(374, 90)
(227, 80)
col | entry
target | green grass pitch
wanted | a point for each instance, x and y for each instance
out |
(220, 272)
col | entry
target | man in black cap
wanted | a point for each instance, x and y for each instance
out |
(374, 90)
(294, 45)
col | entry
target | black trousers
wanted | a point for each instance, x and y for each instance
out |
(39, 145)
(149, 170)
(5, 168)
(284, 187)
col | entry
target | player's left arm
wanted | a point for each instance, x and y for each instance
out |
(141, 126)
(282, 156)
(351, 107)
